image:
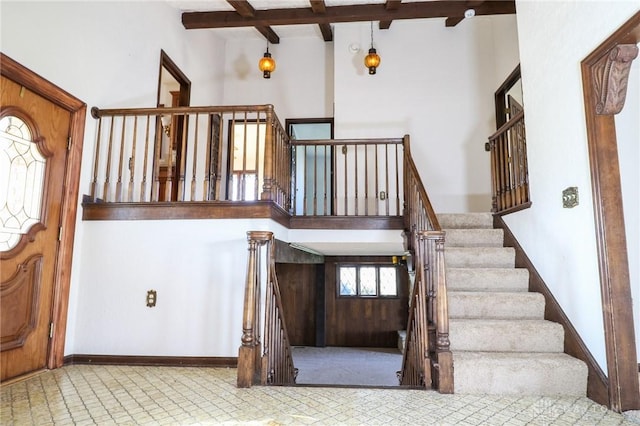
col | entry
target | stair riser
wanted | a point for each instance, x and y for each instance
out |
(480, 257)
(544, 376)
(474, 237)
(492, 279)
(496, 305)
(506, 336)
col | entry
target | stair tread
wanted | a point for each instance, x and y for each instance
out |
(465, 220)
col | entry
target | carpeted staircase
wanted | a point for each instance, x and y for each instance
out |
(500, 341)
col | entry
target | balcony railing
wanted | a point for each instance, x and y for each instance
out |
(509, 169)
(191, 154)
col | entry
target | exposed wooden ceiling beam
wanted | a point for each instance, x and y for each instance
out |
(318, 6)
(245, 10)
(389, 5)
(350, 13)
(452, 21)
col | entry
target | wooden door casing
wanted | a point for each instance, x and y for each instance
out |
(27, 272)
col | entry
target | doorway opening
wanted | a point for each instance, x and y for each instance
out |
(312, 166)
(174, 90)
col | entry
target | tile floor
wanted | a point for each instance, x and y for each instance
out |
(106, 395)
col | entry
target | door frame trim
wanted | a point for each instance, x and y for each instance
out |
(12, 70)
(615, 286)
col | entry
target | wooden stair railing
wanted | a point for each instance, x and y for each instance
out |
(269, 362)
(151, 155)
(427, 359)
(509, 170)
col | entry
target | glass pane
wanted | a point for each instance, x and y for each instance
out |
(22, 169)
(368, 281)
(347, 281)
(388, 281)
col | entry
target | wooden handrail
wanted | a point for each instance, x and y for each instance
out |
(509, 124)
(128, 112)
(427, 360)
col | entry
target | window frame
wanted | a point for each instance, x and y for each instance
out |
(358, 294)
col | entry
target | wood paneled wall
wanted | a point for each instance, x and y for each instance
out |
(316, 316)
(298, 292)
(364, 322)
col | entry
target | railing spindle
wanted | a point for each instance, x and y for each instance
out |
(132, 160)
(143, 184)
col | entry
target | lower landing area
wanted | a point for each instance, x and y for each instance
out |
(141, 395)
(347, 366)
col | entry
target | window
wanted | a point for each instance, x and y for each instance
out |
(367, 281)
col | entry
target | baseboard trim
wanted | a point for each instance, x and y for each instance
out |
(158, 361)
(597, 382)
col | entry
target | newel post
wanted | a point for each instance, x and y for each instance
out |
(246, 356)
(443, 352)
(269, 156)
(249, 365)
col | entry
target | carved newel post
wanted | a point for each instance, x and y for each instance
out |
(249, 368)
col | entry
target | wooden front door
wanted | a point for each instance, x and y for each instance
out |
(34, 136)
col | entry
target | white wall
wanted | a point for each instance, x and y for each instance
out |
(628, 132)
(300, 87)
(435, 84)
(197, 267)
(108, 54)
(554, 37)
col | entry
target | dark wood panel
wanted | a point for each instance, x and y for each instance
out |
(364, 322)
(298, 291)
(597, 383)
(166, 361)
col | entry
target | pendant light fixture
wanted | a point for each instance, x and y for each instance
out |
(372, 60)
(267, 64)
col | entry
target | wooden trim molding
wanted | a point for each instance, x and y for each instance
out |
(597, 382)
(605, 73)
(157, 361)
(185, 210)
(78, 110)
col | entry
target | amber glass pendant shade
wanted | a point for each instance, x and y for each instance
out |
(371, 61)
(267, 64)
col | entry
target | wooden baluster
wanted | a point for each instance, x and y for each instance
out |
(397, 181)
(267, 189)
(194, 166)
(121, 161)
(105, 192)
(327, 182)
(183, 159)
(377, 186)
(366, 180)
(132, 160)
(494, 176)
(143, 184)
(386, 184)
(96, 161)
(315, 180)
(355, 187)
(256, 165)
